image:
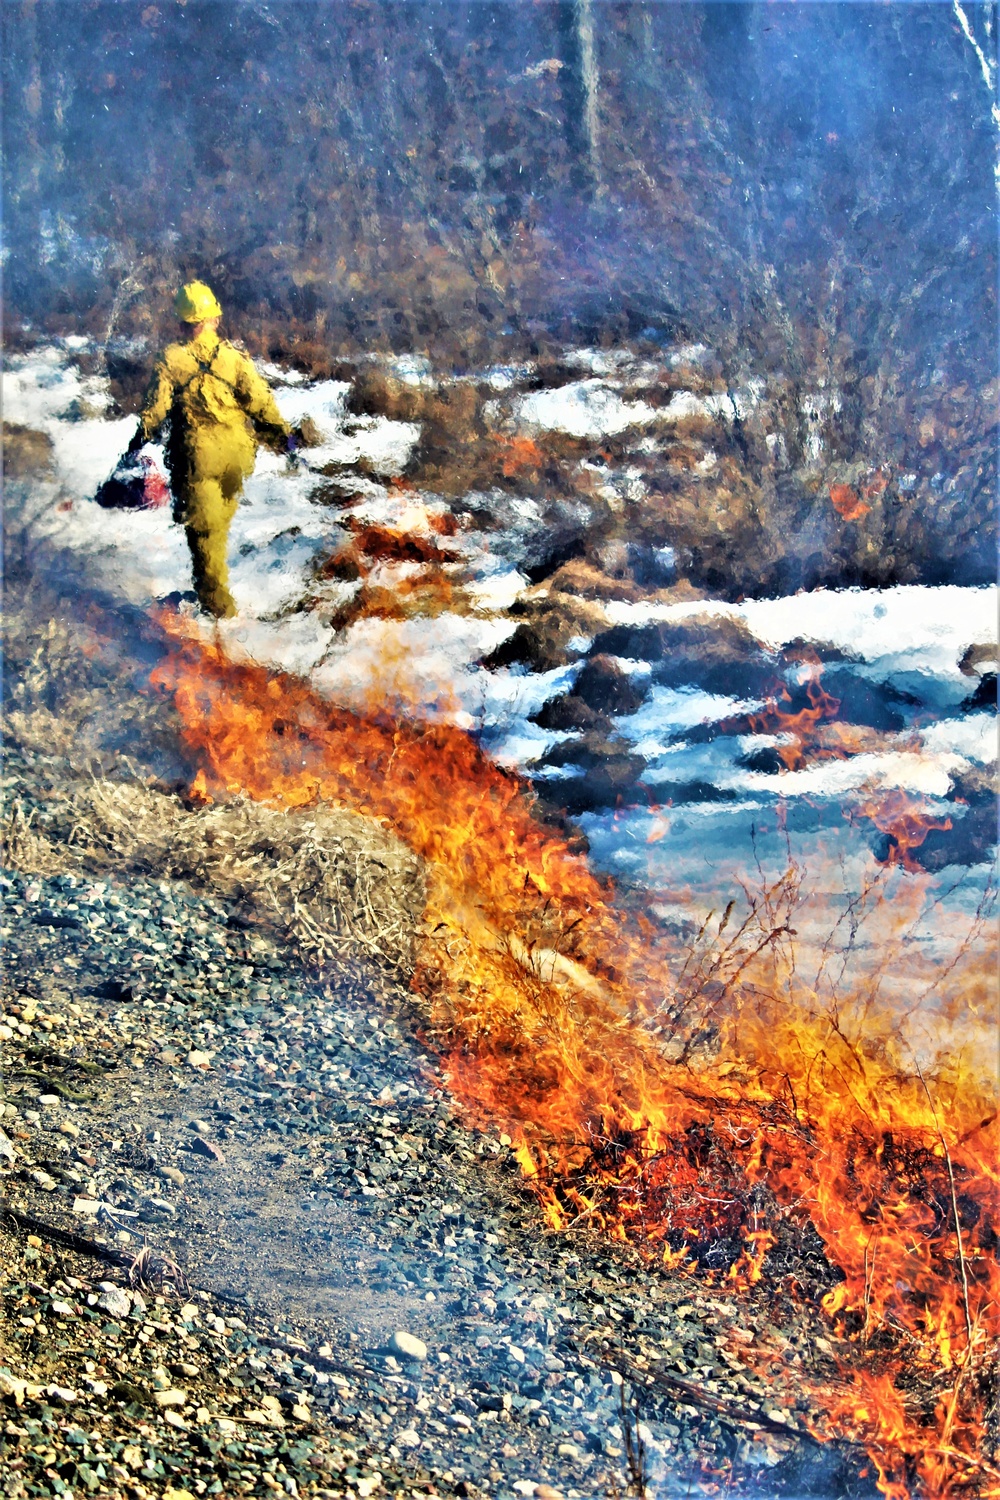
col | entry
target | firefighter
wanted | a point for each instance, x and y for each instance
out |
(218, 408)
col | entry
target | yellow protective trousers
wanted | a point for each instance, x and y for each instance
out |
(212, 461)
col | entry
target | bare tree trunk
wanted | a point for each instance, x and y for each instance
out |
(589, 84)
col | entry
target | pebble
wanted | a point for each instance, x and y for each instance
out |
(208, 1149)
(113, 1301)
(170, 1398)
(174, 1175)
(408, 1345)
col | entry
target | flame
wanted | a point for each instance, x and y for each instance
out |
(804, 744)
(906, 820)
(653, 1093)
(847, 503)
(519, 453)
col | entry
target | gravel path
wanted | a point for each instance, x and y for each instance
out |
(176, 1081)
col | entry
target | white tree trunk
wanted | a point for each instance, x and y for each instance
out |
(590, 83)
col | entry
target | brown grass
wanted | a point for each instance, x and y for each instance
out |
(82, 793)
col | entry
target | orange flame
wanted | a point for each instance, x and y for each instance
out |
(847, 503)
(654, 1093)
(802, 726)
(907, 822)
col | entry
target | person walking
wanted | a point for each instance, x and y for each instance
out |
(218, 407)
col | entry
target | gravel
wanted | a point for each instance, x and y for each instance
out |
(340, 1284)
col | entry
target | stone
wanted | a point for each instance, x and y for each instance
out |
(198, 1059)
(11, 1387)
(113, 1301)
(174, 1175)
(61, 1393)
(165, 1399)
(408, 1345)
(408, 1438)
(208, 1149)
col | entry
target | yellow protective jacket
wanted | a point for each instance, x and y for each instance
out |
(207, 383)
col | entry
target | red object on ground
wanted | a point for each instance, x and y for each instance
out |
(846, 503)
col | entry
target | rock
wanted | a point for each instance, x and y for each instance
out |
(604, 687)
(174, 1175)
(198, 1059)
(11, 1387)
(44, 1181)
(408, 1438)
(63, 1310)
(7, 1152)
(61, 1393)
(568, 1450)
(25, 451)
(67, 1127)
(265, 1418)
(171, 1398)
(113, 1301)
(408, 1346)
(209, 1149)
(546, 1492)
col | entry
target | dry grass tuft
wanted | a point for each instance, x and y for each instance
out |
(80, 796)
(333, 881)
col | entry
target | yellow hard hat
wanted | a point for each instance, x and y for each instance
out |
(195, 302)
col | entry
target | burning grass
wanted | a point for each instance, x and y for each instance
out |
(332, 881)
(678, 1099)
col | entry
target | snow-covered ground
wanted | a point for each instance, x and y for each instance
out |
(698, 802)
